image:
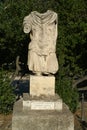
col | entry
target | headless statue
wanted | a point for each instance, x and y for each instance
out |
(42, 28)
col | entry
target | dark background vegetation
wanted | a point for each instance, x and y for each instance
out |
(71, 43)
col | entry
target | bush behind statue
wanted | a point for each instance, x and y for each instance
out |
(7, 96)
(69, 95)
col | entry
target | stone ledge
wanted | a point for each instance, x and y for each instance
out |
(55, 97)
(42, 105)
(42, 102)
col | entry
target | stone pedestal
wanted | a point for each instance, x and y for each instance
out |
(42, 85)
(25, 119)
(42, 102)
(42, 94)
(41, 109)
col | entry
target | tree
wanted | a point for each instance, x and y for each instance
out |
(72, 36)
(7, 97)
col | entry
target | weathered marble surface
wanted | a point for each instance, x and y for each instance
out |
(25, 119)
(42, 102)
(42, 85)
(43, 33)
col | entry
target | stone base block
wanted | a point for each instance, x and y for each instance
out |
(41, 120)
(42, 85)
(42, 102)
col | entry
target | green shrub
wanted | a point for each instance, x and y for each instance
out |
(7, 96)
(67, 93)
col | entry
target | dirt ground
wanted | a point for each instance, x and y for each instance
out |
(79, 124)
(6, 121)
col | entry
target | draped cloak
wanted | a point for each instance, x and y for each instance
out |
(43, 34)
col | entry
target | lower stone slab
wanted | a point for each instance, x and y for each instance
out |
(42, 102)
(41, 120)
(42, 105)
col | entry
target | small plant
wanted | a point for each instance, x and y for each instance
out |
(7, 96)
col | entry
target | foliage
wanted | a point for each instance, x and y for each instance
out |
(71, 47)
(71, 43)
(67, 93)
(7, 96)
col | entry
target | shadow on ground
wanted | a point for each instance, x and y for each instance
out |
(21, 86)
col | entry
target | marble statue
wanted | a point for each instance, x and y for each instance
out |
(42, 28)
